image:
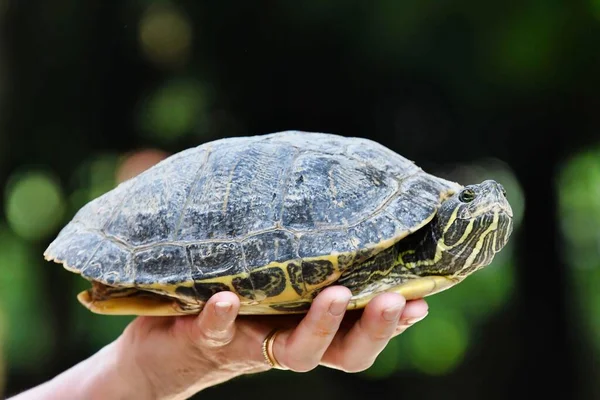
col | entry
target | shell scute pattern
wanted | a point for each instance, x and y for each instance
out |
(239, 192)
(110, 263)
(381, 158)
(294, 271)
(419, 196)
(261, 284)
(250, 214)
(152, 207)
(376, 229)
(315, 244)
(212, 259)
(332, 191)
(309, 141)
(267, 247)
(74, 246)
(315, 272)
(165, 264)
(98, 213)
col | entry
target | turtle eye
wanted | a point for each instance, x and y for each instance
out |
(466, 196)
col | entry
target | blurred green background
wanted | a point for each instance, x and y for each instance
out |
(94, 92)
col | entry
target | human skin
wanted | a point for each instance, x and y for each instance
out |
(177, 357)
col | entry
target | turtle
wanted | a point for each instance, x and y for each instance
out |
(276, 218)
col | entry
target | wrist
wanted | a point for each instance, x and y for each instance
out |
(105, 375)
(111, 373)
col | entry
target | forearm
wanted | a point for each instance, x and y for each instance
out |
(115, 373)
(105, 375)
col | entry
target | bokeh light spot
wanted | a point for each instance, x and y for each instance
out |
(172, 111)
(394, 26)
(29, 334)
(35, 204)
(387, 362)
(94, 177)
(2, 358)
(165, 35)
(137, 162)
(578, 187)
(595, 6)
(440, 343)
(523, 50)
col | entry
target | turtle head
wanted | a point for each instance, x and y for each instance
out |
(472, 226)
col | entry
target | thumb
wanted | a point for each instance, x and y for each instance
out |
(214, 326)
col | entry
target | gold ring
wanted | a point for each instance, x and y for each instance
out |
(267, 350)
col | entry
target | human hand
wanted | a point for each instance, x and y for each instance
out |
(179, 356)
(176, 357)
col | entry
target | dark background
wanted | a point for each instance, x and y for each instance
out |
(93, 92)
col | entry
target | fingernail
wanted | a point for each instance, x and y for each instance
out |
(412, 321)
(222, 308)
(337, 307)
(392, 313)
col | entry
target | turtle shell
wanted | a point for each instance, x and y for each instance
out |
(272, 218)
